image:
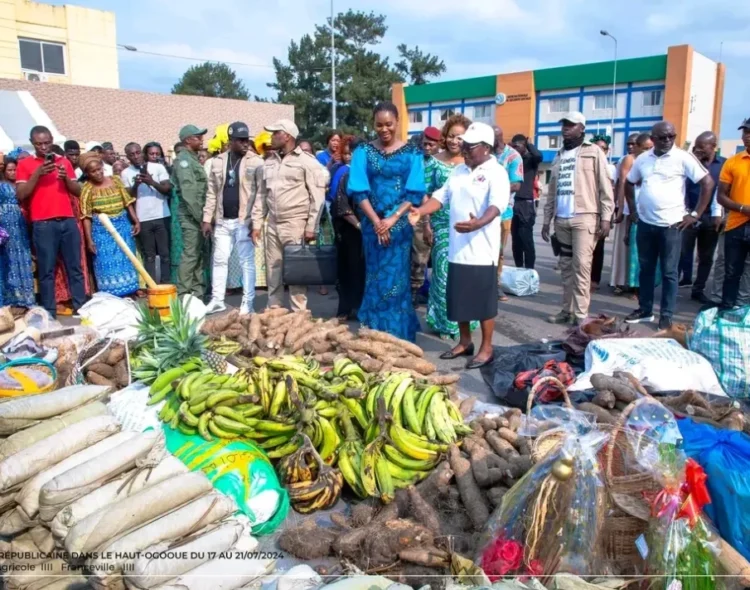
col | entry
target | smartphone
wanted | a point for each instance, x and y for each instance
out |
(144, 169)
(50, 157)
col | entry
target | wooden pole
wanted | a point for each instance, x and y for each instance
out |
(104, 219)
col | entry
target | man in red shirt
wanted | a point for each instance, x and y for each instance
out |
(47, 182)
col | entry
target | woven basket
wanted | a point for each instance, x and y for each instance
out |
(89, 355)
(548, 441)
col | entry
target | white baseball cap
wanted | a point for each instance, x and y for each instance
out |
(574, 117)
(479, 133)
(91, 145)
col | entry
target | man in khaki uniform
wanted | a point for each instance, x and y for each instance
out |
(229, 202)
(290, 196)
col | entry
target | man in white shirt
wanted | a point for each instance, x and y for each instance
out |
(477, 192)
(151, 187)
(109, 157)
(661, 216)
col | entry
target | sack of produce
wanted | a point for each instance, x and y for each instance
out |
(25, 438)
(87, 477)
(179, 523)
(521, 282)
(118, 489)
(159, 564)
(15, 521)
(100, 528)
(36, 577)
(240, 470)
(24, 550)
(222, 574)
(51, 450)
(28, 497)
(21, 413)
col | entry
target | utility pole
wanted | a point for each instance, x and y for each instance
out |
(614, 92)
(333, 70)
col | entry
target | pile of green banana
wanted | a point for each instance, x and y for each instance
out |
(224, 346)
(383, 432)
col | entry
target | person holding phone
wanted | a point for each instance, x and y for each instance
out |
(46, 182)
(149, 184)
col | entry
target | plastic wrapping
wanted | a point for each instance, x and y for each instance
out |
(551, 520)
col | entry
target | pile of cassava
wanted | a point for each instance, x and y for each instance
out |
(411, 539)
(83, 502)
(108, 367)
(278, 332)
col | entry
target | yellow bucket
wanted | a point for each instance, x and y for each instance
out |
(160, 298)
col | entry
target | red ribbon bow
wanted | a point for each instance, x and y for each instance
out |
(697, 495)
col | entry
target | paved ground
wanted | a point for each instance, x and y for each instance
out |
(521, 319)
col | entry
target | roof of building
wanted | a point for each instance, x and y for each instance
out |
(86, 114)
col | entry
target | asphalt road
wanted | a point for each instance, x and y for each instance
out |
(521, 319)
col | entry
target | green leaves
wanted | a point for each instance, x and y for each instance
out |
(211, 79)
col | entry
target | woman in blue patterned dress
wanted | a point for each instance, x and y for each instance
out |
(385, 179)
(16, 275)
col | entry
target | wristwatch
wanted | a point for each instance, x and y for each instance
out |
(694, 214)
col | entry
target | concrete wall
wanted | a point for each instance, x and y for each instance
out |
(702, 95)
(88, 36)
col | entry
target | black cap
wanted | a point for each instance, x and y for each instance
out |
(238, 130)
(745, 124)
(107, 145)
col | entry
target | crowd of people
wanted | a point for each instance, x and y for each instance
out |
(449, 199)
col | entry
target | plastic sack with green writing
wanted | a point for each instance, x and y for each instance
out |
(240, 470)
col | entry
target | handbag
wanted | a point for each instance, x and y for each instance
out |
(304, 264)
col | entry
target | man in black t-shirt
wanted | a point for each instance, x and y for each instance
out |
(524, 211)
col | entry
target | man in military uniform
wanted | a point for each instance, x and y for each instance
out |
(290, 196)
(189, 178)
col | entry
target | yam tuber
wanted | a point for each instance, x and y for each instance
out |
(605, 399)
(602, 415)
(253, 330)
(318, 346)
(514, 417)
(488, 469)
(471, 495)
(268, 315)
(115, 355)
(444, 379)
(326, 358)
(430, 557)
(340, 337)
(509, 435)
(297, 331)
(374, 349)
(488, 423)
(377, 336)
(633, 380)
(318, 333)
(688, 397)
(501, 446)
(467, 406)
(415, 364)
(349, 544)
(122, 378)
(621, 388)
(297, 540)
(96, 379)
(437, 483)
(495, 495)
(105, 370)
(423, 511)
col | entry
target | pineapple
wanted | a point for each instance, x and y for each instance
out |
(214, 360)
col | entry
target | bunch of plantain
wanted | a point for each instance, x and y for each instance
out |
(312, 485)
(224, 346)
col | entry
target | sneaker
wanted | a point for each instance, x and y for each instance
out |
(246, 308)
(638, 317)
(215, 306)
(684, 283)
(665, 323)
(700, 298)
(561, 318)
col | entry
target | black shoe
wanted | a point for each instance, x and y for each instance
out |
(639, 317)
(684, 283)
(700, 297)
(450, 354)
(475, 364)
(665, 323)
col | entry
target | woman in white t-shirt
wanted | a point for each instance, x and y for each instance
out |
(477, 192)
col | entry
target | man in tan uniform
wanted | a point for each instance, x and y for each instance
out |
(290, 196)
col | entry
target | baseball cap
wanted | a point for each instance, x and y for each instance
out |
(92, 145)
(745, 124)
(107, 145)
(238, 130)
(190, 130)
(479, 133)
(285, 125)
(432, 133)
(574, 117)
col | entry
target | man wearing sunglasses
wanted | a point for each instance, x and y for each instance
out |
(229, 203)
(581, 202)
(662, 216)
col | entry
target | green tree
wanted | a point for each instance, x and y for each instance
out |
(417, 66)
(363, 76)
(211, 79)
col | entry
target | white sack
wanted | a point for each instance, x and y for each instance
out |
(86, 477)
(520, 282)
(222, 574)
(16, 521)
(27, 463)
(38, 576)
(118, 489)
(28, 496)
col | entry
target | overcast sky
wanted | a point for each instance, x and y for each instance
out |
(473, 37)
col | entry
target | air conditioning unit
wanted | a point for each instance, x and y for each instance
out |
(35, 76)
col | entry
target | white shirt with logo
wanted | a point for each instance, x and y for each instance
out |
(150, 204)
(566, 184)
(661, 200)
(471, 192)
(107, 169)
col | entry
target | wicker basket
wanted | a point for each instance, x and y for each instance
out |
(548, 441)
(89, 355)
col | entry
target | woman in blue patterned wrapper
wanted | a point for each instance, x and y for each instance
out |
(385, 179)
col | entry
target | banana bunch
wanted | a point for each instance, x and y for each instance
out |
(312, 485)
(224, 346)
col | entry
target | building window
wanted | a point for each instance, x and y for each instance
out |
(415, 116)
(559, 105)
(652, 99)
(602, 102)
(41, 56)
(446, 113)
(482, 112)
(554, 142)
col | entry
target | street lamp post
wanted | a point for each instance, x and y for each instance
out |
(614, 90)
(333, 71)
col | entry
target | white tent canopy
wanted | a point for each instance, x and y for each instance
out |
(19, 112)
